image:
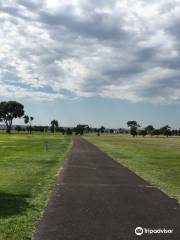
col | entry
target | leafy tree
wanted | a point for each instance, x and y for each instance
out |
(81, 128)
(102, 129)
(149, 129)
(175, 132)
(156, 132)
(133, 131)
(69, 131)
(133, 127)
(142, 132)
(111, 131)
(166, 130)
(9, 111)
(54, 125)
(28, 120)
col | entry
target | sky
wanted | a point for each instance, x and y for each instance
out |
(92, 62)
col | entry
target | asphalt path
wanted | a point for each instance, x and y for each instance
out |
(95, 198)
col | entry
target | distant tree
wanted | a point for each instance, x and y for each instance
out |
(81, 129)
(9, 111)
(61, 130)
(28, 120)
(18, 128)
(149, 129)
(102, 129)
(40, 128)
(95, 130)
(69, 131)
(120, 130)
(156, 132)
(111, 131)
(133, 127)
(166, 130)
(142, 132)
(90, 129)
(54, 125)
(175, 132)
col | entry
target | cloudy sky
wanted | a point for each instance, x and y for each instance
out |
(97, 62)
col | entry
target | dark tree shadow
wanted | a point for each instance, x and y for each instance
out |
(12, 204)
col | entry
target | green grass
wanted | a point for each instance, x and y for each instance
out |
(157, 160)
(27, 173)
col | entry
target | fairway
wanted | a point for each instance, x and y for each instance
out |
(156, 159)
(27, 172)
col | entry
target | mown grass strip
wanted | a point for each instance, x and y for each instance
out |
(157, 160)
(28, 173)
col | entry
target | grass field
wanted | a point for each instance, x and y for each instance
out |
(27, 173)
(157, 160)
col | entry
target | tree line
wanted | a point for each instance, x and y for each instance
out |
(11, 110)
(134, 129)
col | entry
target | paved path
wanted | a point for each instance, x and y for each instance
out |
(95, 198)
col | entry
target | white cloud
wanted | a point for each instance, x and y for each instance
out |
(14, 91)
(117, 49)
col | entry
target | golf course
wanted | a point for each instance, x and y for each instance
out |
(30, 164)
(155, 159)
(28, 172)
(89, 120)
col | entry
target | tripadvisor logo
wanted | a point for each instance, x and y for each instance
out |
(139, 231)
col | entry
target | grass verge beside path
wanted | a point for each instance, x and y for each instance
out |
(27, 173)
(157, 160)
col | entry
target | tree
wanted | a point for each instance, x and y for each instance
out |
(111, 131)
(9, 111)
(81, 128)
(175, 132)
(61, 130)
(142, 132)
(54, 125)
(40, 128)
(166, 130)
(18, 128)
(69, 131)
(149, 129)
(133, 127)
(28, 120)
(156, 132)
(102, 129)
(120, 130)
